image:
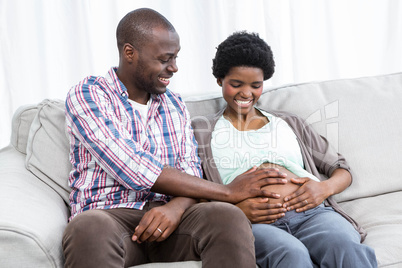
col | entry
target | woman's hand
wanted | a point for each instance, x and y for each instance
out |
(160, 222)
(312, 193)
(309, 195)
(258, 210)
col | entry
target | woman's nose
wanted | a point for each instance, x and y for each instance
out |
(246, 93)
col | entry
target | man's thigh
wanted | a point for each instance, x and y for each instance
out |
(204, 229)
(103, 239)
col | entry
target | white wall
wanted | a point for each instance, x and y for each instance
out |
(46, 46)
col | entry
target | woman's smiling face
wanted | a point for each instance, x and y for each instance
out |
(241, 88)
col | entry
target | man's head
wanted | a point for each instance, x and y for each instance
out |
(136, 27)
(148, 46)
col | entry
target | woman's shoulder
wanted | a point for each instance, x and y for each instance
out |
(277, 113)
(284, 115)
(205, 121)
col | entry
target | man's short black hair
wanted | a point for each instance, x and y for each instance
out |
(136, 27)
(243, 49)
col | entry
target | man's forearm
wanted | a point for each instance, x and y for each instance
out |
(181, 204)
(177, 183)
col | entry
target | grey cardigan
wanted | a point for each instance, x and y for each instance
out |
(319, 157)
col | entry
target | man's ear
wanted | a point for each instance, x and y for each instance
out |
(130, 53)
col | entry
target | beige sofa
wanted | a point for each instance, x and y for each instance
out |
(361, 117)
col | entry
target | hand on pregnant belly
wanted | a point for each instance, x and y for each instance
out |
(282, 190)
(259, 210)
(309, 194)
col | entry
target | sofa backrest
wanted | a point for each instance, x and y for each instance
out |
(360, 117)
(20, 125)
(38, 131)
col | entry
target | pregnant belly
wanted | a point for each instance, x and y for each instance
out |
(281, 189)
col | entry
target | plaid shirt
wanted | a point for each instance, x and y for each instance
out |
(115, 158)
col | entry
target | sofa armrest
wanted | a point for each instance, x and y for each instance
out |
(33, 216)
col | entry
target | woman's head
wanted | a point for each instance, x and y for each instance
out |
(242, 62)
(246, 50)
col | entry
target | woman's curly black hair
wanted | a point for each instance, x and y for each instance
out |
(243, 49)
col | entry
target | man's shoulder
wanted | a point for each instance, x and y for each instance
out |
(89, 83)
(172, 96)
(90, 80)
(174, 101)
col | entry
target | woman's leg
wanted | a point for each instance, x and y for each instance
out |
(275, 247)
(332, 241)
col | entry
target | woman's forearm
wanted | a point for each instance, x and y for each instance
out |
(338, 182)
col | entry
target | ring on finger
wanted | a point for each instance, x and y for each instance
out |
(159, 230)
(306, 201)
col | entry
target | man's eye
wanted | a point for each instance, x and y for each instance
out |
(163, 61)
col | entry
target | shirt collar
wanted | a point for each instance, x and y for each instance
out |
(115, 83)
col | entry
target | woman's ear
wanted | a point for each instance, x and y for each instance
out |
(219, 81)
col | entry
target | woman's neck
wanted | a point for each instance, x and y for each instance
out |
(251, 121)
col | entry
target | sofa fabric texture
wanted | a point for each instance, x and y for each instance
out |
(360, 117)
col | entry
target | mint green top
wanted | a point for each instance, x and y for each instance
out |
(237, 151)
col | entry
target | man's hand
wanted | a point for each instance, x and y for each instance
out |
(249, 184)
(258, 210)
(160, 222)
(177, 183)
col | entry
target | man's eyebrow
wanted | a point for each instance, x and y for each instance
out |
(168, 54)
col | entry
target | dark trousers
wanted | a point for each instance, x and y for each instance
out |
(217, 233)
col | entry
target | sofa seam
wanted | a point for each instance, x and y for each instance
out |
(389, 264)
(33, 238)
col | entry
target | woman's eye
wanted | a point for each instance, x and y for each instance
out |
(235, 85)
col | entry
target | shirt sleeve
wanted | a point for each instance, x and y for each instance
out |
(321, 152)
(94, 123)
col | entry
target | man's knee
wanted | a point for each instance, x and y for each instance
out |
(96, 239)
(88, 227)
(224, 215)
(219, 220)
(221, 229)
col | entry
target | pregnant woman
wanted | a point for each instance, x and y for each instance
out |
(296, 229)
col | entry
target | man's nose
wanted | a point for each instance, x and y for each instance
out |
(173, 67)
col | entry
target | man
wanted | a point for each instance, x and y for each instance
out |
(136, 175)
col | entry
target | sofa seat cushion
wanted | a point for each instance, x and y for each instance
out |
(381, 217)
(33, 216)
